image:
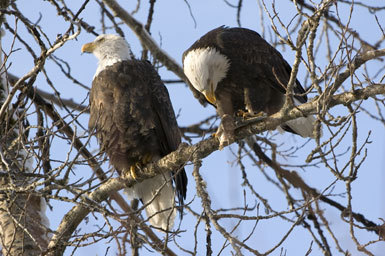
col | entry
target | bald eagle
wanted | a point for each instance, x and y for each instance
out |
(237, 71)
(132, 116)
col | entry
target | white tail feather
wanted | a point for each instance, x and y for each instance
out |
(157, 201)
(304, 126)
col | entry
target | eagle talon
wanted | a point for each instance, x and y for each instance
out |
(243, 114)
(258, 117)
(132, 171)
(260, 114)
(146, 159)
(248, 115)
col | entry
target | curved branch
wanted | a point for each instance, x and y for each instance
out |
(356, 63)
(52, 98)
(91, 202)
(32, 74)
(206, 147)
(294, 179)
(66, 129)
(73, 218)
(146, 40)
(200, 150)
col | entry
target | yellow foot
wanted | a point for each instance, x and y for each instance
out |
(247, 115)
(139, 165)
(252, 119)
(242, 113)
(260, 114)
(146, 159)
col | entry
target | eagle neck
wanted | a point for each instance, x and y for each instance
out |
(108, 61)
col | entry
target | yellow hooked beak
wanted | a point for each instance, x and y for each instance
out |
(209, 94)
(90, 47)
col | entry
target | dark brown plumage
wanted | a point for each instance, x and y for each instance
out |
(235, 69)
(133, 119)
(133, 116)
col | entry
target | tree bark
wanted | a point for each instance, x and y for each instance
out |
(22, 211)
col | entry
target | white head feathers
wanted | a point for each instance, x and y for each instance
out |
(109, 49)
(204, 66)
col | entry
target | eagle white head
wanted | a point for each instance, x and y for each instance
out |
(109, 49)
(205, 68)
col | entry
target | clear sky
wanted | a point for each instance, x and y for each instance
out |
(174, 29)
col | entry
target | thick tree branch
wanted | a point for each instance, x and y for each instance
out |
(356, 63)
(335, 56)
(66, 129)
(206, 147)
(91, 202)
(201, 150)
(73, 218)
(23, 229)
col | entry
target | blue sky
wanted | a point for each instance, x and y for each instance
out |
(174, 30)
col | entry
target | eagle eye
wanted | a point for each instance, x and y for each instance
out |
(99, 40)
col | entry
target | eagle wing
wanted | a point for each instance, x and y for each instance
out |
(258, 58)
(134, 122)
(118, 110)
(167, 128)
(121, 113)
(101, 102)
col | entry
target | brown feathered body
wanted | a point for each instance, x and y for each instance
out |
(236, 70)
(132, 114)
(133, 119)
